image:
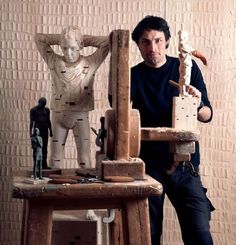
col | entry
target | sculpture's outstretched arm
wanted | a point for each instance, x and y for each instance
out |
(200, 56)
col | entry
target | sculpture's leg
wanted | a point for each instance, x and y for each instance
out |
(35, 170)
(58, 144)
(40, 165)
(44, 136)
(82, 139)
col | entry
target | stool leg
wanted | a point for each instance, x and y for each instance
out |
(37, 223)
(24, 222)
(138, 222)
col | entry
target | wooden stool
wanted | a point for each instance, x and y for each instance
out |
(130, 198)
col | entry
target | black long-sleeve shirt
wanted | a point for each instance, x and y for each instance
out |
(152, 95)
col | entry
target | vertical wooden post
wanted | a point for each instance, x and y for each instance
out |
(120, 76)
(119, 134)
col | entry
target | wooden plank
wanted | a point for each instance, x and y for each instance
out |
(169, 134)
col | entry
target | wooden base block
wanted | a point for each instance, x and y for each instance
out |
(133, 168)
(184, 114)
(182, 147)
(36, 181)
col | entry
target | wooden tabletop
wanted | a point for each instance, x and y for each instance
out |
(137, 188)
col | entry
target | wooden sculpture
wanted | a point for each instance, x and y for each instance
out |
(73, 78)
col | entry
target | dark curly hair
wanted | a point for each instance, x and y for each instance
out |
(151, 23)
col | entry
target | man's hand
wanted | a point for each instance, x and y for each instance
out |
(191, 90)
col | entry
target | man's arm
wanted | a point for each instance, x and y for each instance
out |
(204, 114)
(205, 111)
(44, 42)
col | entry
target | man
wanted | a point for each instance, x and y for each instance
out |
(37, 145)
(73, 78)
(152, 95)
(40, 118)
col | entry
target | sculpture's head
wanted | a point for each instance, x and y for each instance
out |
(71, 43)
(183, 36)
(42, 102)
(36, 131)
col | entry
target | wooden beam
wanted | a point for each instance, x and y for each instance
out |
(120, 75)
(169, 134)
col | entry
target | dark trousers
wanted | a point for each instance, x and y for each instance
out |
(192, 206)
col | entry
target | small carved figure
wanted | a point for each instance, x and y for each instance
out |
(185, 53)
(40, 118)
(73, 78)
(37, 145)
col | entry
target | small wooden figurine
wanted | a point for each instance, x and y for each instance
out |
(37, 145)
(185, 58)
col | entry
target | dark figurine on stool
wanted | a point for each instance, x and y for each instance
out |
(37, 145)
(40, 118)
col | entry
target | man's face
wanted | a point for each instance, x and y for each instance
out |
(152, 45)
(70, 49)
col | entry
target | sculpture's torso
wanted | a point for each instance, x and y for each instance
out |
(72, 85)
